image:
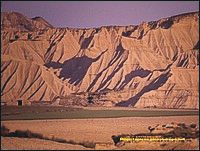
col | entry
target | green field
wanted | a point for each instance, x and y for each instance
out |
(51, 112)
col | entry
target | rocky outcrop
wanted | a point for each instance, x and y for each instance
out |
(153, 64)
(18, 22)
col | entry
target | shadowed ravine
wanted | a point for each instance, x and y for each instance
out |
(74, 69)
(153, 85)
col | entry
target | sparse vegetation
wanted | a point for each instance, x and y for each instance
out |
(180, 130)
(4, 131)
(87, 144)
(193, 125)
(20, 133)
(116, 139)
(16, 37)
(60, 140)
(28, 134)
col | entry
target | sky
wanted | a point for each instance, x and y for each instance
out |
(86, 14)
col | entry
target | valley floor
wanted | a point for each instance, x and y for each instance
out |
(94, 130)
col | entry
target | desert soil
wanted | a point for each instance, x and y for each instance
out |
(12, 143)
(94, 130)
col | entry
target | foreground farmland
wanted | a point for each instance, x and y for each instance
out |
(96, 125)
(98, 130)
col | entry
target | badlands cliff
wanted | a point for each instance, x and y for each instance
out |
(154, 64)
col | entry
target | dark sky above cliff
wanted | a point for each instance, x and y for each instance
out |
(95, 14)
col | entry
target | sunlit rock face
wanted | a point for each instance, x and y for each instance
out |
(154, 64)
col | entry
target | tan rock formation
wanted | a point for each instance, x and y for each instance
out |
(154, 64)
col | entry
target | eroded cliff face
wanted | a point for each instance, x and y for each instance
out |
(153, 64)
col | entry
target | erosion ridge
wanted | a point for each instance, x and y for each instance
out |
(153, 64)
